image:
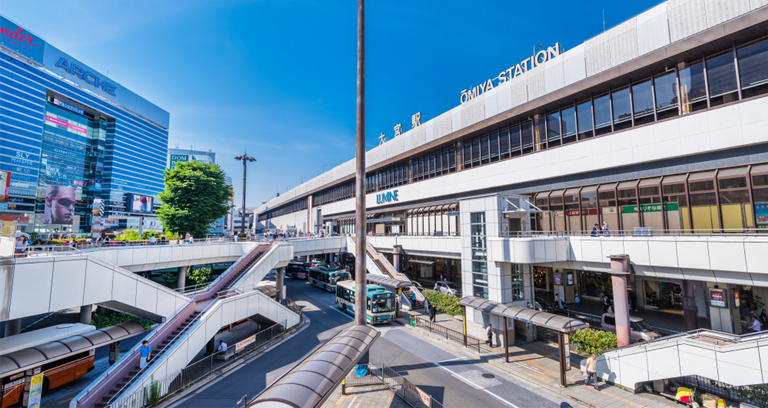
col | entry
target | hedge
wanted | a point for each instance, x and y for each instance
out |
(444, 303)
(593, 341)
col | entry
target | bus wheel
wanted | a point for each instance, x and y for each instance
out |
(344, 308)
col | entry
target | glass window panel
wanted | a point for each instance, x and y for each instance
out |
(467, 154)
(602, 111)
(514, 138)
(584, 112)
(737, 182)
(569, 121)
(484, 152)
(446, 161)
(666, 90)
(553, 126)
(452, 158)
(504, 141)
(477, 218)
(439, 163)
(692, 86)
(432, 164)
(753, 64)
(476, 150)
(494, 145)
(621, 108)
(642, 98)
(539, 135)
(721, 74)
(527, 135)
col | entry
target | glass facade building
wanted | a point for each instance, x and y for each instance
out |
(69, 135)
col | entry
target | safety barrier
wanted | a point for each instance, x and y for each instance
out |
(446, 333)
(383, 374)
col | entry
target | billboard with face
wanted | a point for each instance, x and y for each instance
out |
(140, 203)
(59, 205)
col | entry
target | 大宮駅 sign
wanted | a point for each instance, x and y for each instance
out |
(512, 72)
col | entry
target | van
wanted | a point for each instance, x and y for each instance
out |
(639, 330)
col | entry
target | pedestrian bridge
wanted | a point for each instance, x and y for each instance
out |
(731, 359)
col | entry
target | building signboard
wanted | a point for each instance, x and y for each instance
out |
(388, 197)
(36, 391)
(717, 297)
(648, 208)
(421, 395)
(82, 73)
(68, 106)
(761, 213)
(241, 344)
(512, 72)
(20, 41)
(57, 121)
(558, 279)
(5, 185)
(177, 158)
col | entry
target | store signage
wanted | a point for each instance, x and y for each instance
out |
(558, 279)
(388, 197)
(20, 41)
(717, 297)
(36, 391)
(86, 76)
(761, 213)
(66, 124)
(423, 396)
(512, 72)
(5, 185)
(178, 158)
(8, 229)
(648, 208)
(68, 106)
(241, 344)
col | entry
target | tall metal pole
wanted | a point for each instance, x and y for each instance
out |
(360, 304)
(242, 223)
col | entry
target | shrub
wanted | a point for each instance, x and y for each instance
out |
(112, 318)
(444, 303)
(593, 341)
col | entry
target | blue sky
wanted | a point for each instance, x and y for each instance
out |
(277, 78)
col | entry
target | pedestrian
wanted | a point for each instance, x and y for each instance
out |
(596, 230)
(577, 300)
(605, 228)
(763, 318)
(426, 305)
(755, 325)
(413, 299)
(146, 354)
(489, 333)
(432, 314)
(632, 301)
(152, 240)
(557, 299)
(191, 239)
(610, 309)
(207, 239)
(605, 303)
(222, 347)
(592, 370)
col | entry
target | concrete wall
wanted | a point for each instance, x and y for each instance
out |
(150, 257)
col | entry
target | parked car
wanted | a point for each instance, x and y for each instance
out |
(639, 330)
(417, 285)
(448, 288)
(542, 306)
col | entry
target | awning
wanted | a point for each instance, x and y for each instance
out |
(549, 320)
(419, 261)
(56, 350)
(388, 282)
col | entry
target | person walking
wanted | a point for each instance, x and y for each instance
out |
(426, 305)
(432, 314)
(489, 333)
(605, 229)
(577, 300)
(755, 327)
(152, 240)
(413, 300)
(596, 230)
(146, 354)
(592, 370)
(605, 303)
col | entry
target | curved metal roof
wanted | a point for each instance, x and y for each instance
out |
(544, 319)
(312, 381)
(388, 282)
(37, 355)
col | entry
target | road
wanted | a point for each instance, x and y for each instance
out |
(449, 376)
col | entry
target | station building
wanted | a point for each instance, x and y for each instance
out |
(656, 128)
(70, 135)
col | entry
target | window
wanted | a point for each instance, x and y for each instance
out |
(553, 128)
(495, 147)
(479, 255)
(527, 137)
(693, 92)
(584, 114)
(504, 144)
(753, 68)
(517, 282)
(602, 114)
(476, 152)
(484, 150)
(452, 159)
(621, 106)
(515, 140)
(468, 154)
(642, 99)
(721, 75)
(568, 120)
(666, 91)
(539, 136)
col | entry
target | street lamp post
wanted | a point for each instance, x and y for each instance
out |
(360, 306)
(245, 159)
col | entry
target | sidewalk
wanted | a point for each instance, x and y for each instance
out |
(538, 363)
(378, 395)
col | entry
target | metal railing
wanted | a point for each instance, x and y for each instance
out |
(722, 389)
(641, 232)
(432, 234)
(158, 390)
(383, 374)
(595, 321)
(446, 333)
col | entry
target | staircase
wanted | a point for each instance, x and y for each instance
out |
(136, 371)
(386, 268)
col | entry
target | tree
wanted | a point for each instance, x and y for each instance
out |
(195, 195)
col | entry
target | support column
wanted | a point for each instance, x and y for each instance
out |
(464, 323)
(181, 278)
(619, 272)
(12, 327)
(396, 256)
(86, 311)
(280, 288)
(506, 340)
(689, 305)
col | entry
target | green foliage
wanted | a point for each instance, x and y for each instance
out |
(169, 279)
(196, 194)
(113, 318)
(199, 276)
(128, 235)
(153, 392)
(444, 303)
(593, 341)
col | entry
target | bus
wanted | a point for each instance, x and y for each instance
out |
(326, 278)
(56, 374)
(299, 270)
(381, 303)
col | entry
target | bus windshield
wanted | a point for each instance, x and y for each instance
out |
(383, 305)
(339, 276)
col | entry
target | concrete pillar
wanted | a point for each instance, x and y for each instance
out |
(689, 305)
(309, 258)
(12, 327)
(280, 287)
(396, 255)
(181, 278)
(619, 273)
(86, 311)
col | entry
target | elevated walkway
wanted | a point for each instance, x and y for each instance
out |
(316, 246)
(731, 359)
(178, 340)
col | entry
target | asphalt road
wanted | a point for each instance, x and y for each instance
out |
(450, 377)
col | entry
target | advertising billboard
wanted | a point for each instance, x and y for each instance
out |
(717, 297)
(21, 41)
(5, 185)
(59, 205)
(178, 158)
(139, 203)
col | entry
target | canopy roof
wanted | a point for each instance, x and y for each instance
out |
(544, 319)
(388, 282)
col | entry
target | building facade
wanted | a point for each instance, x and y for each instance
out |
(69, 135)
(655, 128)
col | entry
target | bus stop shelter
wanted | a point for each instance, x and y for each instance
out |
(563, 325)
(396, 284)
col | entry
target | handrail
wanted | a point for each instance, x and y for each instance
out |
(642, 232)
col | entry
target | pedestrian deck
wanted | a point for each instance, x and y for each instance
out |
(538, 363)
